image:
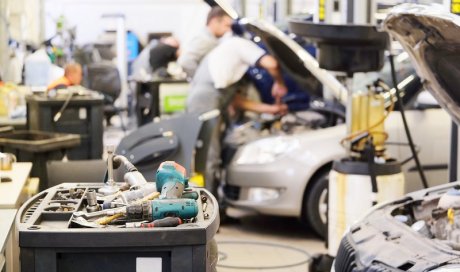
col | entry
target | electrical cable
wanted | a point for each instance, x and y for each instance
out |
(406, 127)
(372, 172)
(404, 161)
(267, 244)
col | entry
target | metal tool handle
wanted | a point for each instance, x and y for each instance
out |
(110, 151)
(110, 187)
(58, 115)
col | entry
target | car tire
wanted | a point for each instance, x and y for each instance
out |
(315, 204)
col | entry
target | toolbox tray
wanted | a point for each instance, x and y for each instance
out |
(50, 242)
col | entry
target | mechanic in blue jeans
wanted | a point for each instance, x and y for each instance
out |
(218, 83)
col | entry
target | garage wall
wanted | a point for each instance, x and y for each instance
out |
(254, 8)
(303, 6)
(182, 17)
(24, 19)
(3, 38)
(19, 20)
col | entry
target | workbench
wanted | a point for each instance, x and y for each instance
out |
(83, 116)
(12, 193)
(8, 246)
(19, 123)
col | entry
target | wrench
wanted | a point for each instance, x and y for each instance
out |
(85, 223)
(99, 213)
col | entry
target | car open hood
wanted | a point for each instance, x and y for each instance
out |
(431, 36)
(294, 59)
(285, 50)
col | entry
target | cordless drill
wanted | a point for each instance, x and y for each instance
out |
(171, 181)
(161, 208)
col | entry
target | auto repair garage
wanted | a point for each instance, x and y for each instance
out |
(229, 135)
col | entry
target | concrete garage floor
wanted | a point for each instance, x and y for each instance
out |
(262, 243)
(256, 242)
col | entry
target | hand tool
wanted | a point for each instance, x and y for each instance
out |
(161, 208)
(165, 222)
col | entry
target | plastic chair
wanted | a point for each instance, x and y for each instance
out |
(105, 78)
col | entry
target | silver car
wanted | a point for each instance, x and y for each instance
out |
(287, 174)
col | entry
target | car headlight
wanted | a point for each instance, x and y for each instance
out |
(447, 268)
(266, 150)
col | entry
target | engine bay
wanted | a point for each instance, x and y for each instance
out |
(436, 217)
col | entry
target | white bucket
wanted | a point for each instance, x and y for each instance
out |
(350, 197)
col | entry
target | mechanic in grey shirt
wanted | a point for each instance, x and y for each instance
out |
(141, 65)
(217, 24)
(215, 85)
(155, 55)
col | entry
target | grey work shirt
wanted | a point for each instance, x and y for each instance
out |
(202, 95)
(141, 65)
(194, 51)
(218, 75)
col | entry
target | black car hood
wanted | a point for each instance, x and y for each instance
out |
(431, 36)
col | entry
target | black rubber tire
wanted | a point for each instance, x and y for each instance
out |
(320, 263)
(312, 205)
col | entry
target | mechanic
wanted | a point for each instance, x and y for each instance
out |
(157, 54)
(72, 76)
(218, 23)
(219, 78)
(166, 51)
(215, 85)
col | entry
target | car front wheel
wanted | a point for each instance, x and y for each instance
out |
(315, 204)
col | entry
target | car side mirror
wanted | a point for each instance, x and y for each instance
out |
(426, 101)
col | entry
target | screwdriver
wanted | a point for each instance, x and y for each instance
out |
(164, 222)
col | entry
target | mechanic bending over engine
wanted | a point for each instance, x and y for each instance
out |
(215, 85)
(166, 51)
(155, 57)
(218, 80)
(72, 76)
(218, 23)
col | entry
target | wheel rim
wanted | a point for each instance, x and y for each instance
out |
(322, 206)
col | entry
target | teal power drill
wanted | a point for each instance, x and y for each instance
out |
(171, 181)
(161, 208)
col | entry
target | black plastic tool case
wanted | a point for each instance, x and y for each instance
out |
(49, 242)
